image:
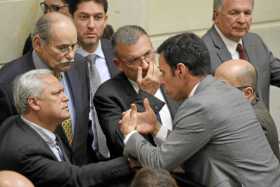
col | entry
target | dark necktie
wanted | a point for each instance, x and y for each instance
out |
(60, 153)
(99, 140)
(241, 52)
(66, 124)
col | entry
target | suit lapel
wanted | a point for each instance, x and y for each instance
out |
(222, 51)
(109, 56)
(250, 50)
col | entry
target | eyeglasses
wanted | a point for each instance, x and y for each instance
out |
(51, 8)
(149, 55)
(66, 48)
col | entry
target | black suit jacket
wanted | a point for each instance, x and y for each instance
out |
(114, 97)
(23, 150)
(78, 86)
(109, 56)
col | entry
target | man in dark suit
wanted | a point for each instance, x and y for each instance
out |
(242, 75)
(90, 18)
(54, 49)
(217, 138)
(28, 144)
(139, 78)
(232, 21)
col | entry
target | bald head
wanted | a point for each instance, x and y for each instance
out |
(237, 73)
(13, 179)
(50, 21)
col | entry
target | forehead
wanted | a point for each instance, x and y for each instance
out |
(51, 83)
(140, 47)
(90, 7)
(52, 2)
(58, 34)
(238, 4)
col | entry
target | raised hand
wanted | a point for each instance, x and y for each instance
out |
(147, 120)
(129, 120)
(151, 82)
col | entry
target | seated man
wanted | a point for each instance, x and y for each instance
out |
(140, 76)
(28, 143)
(13, 179)
(242, 75)
(217, 138)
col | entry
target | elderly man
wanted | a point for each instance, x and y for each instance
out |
(217, 138)
(139, 78)
(229, 38)
(13, 179)
(61, 6)
(28, 143)
(54, 49)
(242, 75)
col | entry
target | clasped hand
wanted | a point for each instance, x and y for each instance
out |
(144, 122)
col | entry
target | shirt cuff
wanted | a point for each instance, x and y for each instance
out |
(161, 135)
(128, 136)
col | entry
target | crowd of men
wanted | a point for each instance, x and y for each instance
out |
(83, 109)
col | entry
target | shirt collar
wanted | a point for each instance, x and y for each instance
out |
(98, 52)
(48, 136)
(38, 62)
(193, 89)
(231, 45)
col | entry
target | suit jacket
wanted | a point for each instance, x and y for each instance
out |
(267, 66)
(109, 56)
(218, 143)
(78, 86)
(268, 126)
(23, 150)
(114, 97)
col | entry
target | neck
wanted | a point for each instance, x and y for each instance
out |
(91, 48)
(38, 121)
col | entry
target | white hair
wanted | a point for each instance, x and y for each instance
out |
(26, 85)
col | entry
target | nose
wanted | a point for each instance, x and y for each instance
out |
(242, 18)
(91, 22)
(64, 97)
(144, 63)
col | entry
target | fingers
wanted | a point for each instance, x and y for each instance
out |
(147, 105)
(133, 111)
(139, 75)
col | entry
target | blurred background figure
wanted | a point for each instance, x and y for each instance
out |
(147, 177)
(13, 179)
(108, 32)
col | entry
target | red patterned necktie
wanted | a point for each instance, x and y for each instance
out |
(241, 52)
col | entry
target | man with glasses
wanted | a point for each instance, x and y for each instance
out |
(54, 49)
(242, 75)
(61, 6)
(139, 78)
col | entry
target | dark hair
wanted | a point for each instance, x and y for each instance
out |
(189, 49)
(153, 178)
(73, 4)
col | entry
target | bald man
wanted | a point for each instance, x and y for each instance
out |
(14, 179)
(242, 75)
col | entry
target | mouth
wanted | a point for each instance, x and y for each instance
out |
(91, 35)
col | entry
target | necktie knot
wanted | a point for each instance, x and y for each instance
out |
(91, 58)
(58, 76)
(241, 51)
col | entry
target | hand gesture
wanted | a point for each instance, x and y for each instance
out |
(151, 82)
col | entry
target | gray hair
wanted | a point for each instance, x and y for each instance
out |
(128, 35)
(44, 25)
(26, 85)
(217, 4)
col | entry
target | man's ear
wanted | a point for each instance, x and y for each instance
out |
(33, 103)
(36, 42)
(181, 70)
(248, 92)
(118, 63)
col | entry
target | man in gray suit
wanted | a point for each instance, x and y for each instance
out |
(217, 138)
(242, 75)
(229, 38)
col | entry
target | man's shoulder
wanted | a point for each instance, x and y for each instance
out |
(116, 83)
(16, 67)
